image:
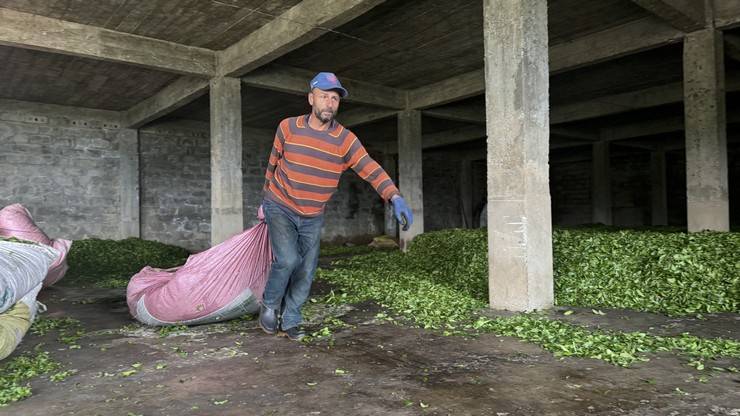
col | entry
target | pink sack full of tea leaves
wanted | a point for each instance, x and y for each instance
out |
(223, 282)
(16, 221)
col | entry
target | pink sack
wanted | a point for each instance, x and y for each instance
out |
(223, 282)
(16, 221)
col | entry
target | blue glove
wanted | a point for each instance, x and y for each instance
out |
(402, 212)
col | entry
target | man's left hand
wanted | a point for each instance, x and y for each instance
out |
(402, 212)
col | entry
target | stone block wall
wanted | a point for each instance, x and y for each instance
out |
(176, 198)
(64, 165)
(64, 170)
(175, 184)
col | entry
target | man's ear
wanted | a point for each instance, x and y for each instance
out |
(310, 98)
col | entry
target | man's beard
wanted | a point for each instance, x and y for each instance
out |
(320, 114)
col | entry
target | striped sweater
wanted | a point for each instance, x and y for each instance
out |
(305, 165)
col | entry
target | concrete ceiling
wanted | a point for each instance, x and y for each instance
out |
(398, 44)
(29, 75)
(569, 19)
(630, 73)
(211, 24)
(411, 44)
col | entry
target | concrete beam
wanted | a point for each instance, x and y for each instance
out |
(470, 133)
(295, 81)
(569, 144)
(653, 127)
(476, 115)
(617, 103)
(410, 176)
(453, 136)
(592, 108)
(468, 114)
(361, 116)
(684, 15)
(446, 91)
(168, 99)
(298, 26)
(227, 204)
(643, 128)
(726, 14)
(624, 102)
(53, 114)
(575, 133)
(29, 31)
(520, 274)
(583, 110)
(630, 38)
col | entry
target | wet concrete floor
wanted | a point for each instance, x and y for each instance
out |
(372, 367)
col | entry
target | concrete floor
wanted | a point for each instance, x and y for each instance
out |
(372, 368)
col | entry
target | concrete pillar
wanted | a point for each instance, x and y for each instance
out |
(466, 194)
(658, 190)
(601, 189)
(706, 134)
(520, 276)
(391, 226)
(410, 172)
(128, 140)
(227, 204)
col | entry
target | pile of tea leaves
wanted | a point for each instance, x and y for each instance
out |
(111, 263)
(442, 282)
(669, 272)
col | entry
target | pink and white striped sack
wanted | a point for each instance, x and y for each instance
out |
(221, 283)
(16, 221)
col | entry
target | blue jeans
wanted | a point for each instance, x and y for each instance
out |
(295, 248)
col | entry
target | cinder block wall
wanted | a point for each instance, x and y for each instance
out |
(176, 198)
(66, 172)
(175, 184)
(66, 175)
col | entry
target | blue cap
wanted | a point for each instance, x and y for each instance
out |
(328, 81)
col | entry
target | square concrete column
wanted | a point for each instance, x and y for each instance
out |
(706, 134)
(390, 225)
(658, 190)
(601, 189)
(227, 204)
(520, 276)
(410, 172)
(128, 140)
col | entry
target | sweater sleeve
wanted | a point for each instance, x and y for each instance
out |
(275, 154)
(368, 169)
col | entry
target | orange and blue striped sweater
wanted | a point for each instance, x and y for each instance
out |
(305, 165)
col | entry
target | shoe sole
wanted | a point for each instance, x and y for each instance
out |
(267, 331)
(285, 334)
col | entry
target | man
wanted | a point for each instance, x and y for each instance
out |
(308, 156)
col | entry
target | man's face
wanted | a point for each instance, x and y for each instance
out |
(324, 104)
